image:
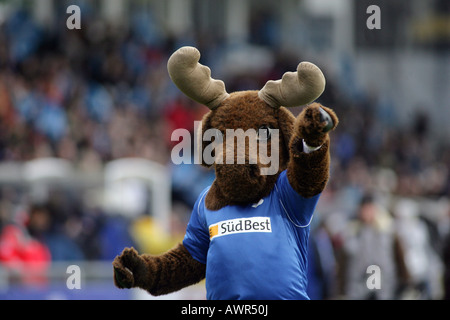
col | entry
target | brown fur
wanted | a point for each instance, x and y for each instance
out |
(241, 184)
(308, 173)
(238, 184)
(158, 275)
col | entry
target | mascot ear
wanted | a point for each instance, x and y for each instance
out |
(286, 124)
(201, 145)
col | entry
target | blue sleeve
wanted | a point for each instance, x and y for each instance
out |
(196, 239)
(298, 209)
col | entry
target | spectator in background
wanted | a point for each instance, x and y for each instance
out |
(371, 240)
(43, 225)
(25, 257)
(446, 254)
(422, 262)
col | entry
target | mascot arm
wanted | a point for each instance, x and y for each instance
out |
(158, 275)
(308, 167)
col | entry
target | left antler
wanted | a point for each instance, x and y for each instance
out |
(194, 79)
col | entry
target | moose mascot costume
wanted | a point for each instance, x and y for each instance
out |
(248, 232)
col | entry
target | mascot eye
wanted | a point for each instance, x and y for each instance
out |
(264, 133)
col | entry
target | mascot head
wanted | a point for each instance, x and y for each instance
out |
(258, 120)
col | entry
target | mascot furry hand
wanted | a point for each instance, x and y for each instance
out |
(248, 232)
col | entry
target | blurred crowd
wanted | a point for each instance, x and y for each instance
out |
(101, 93)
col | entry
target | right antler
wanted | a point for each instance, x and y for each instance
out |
(194, 79)
(295, 88)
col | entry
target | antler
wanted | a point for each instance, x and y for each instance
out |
(295, 88)
(194, 79)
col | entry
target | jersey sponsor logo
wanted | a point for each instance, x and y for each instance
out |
(240, 225)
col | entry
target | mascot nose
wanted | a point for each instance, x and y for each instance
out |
(237, 154)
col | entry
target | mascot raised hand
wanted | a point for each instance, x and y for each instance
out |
(248, 231)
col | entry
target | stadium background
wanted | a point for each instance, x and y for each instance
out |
(86, 118)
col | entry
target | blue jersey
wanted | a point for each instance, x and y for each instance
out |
(258, 251)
